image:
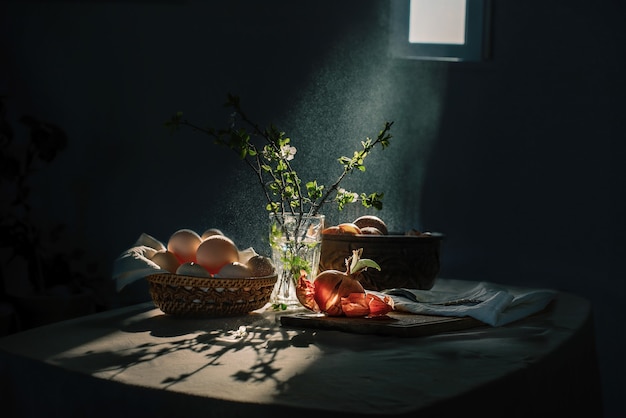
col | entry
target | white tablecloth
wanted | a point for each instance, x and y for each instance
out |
(137, 361)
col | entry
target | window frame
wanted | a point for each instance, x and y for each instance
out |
(475, 48)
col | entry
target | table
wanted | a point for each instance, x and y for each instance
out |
(137, 361)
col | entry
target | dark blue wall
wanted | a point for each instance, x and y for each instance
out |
(518, 160)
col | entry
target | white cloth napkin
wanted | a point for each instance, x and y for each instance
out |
(134, 263)
(490, 303)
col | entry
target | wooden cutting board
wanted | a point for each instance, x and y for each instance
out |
(395, 324)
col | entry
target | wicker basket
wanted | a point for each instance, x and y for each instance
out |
(190, 296)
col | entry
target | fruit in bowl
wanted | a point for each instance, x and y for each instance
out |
(409, 260)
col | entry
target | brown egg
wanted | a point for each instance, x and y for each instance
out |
(209, 232)
(166, 260)
(261, 266)
(215, 252)
(184, 243)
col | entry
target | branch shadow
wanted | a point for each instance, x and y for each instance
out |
(264, 337)
(213, 338)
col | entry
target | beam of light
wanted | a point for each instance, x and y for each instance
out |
(349, 95)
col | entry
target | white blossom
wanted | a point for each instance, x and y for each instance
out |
(241, 332)
(288, 152)
(344, 192)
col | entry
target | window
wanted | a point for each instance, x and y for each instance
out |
(441, 30)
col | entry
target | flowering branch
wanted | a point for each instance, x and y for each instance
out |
(271, 162)
(349, 164)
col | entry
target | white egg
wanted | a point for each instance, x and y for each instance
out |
(192, 269)
(234, 270)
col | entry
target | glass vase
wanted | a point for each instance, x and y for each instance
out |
(296, 242)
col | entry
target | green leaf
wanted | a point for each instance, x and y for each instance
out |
(373, 200)
(365, 263)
